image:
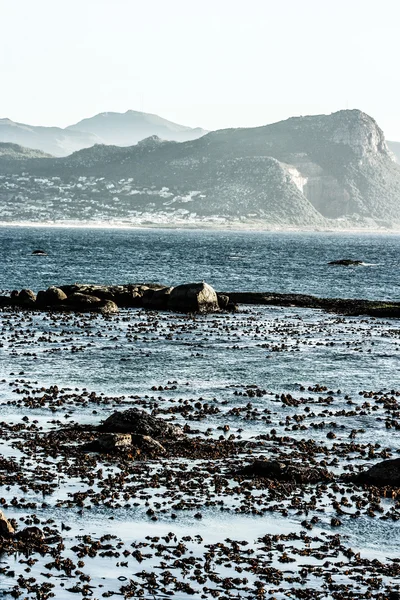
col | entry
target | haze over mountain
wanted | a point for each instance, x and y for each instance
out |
(126, 129)
(319, 171)
(122, 129)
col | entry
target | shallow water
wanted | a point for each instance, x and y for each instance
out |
(212, 358)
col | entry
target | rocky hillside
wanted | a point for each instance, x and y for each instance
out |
(312, 172)
(16, 152)
(126, 129)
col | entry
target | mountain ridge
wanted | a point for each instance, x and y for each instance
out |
(110, 127)
(318, 171)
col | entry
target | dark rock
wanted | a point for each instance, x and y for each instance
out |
(223, 301)
(108, 308)
(111, 442)
(6, 529)
(139, 422)
(52, 296)
(39, 253)
(385, 473)
(30, 534)
(193, 297)
(26, 298)
(283, 471)
(157, 299)
(147, 445)
(346, 262)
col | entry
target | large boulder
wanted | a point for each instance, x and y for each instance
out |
(108, 307)
(285, 471)
(385, 473)
(139, 422)
(51, 297)
(193, 297)
(26, 298)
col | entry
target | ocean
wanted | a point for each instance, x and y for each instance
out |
(277, 379)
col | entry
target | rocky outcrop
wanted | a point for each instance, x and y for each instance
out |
(139, 422)
(193, 297)
(385, 473)
(285, 471)
(53, 296)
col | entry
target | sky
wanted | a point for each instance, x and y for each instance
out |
(213, 64)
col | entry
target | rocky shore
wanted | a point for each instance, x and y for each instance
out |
(125, 473)
(186, 298)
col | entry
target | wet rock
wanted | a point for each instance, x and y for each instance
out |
(283, 471)
(108, 308)
(346, 262)
(84, 301)
(193, 297)
(6, 529)
(30, 534)
(147, 444)
(109, 442)
(26, 298)
(157, 299)
(385, 473)
(223, 301)
(52, 296)
(139, 422)
(39, 253)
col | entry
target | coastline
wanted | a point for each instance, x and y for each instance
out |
(234, 227)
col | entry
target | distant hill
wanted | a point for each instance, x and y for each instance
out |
(126, 129)
(315, 172)
(395, 148)
(121, 129)
(17, 152)
(52, 140)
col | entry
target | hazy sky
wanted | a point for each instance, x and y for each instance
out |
(219, 63)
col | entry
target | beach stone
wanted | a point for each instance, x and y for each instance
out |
(284, 471)
(30, 534)
(84, 301)
(193, 297)
(383, 473)
(108, 308)
(52, 296)
(147, 445)
(6, 529)
(26, 298)
(110, 442)
(139, 422)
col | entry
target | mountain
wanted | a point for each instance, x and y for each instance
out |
(52, 140)
(121, 129)
(395, 148)
(16, 152)
(317, 172)
(126, 129)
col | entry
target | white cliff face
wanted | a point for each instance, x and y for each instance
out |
(298, 179)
